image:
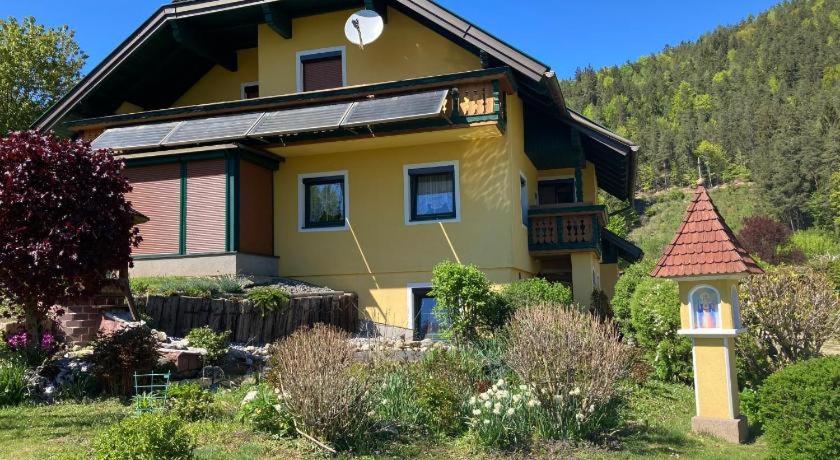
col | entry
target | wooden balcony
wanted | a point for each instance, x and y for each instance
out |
(561, 229)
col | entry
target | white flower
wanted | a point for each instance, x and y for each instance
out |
(502, 394)
(497, 406)
(497, 410)
(500, 383)
(384, 401)
(250, 396)
(558, 398)
(592, 408)
(472, 401)
(49, 389)
(510, 411)
(84, 368)
(579, 417)
(532, 403)
(516, 398)
(486, 422)
(278, 408)
(277, 391)
(488, 404)
(523, 387)
(543, 391)
(371, 414)
(476, 411)
(575, 392)
(483, 396)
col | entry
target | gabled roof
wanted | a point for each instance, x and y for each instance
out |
(704, 245)
(156, 30)
(623, 248)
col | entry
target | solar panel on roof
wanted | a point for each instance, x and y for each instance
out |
(397, 108)
(133, 136)
(209, 129)
(302, 120)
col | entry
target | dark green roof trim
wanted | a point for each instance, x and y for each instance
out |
(623, 248)
(290, 100)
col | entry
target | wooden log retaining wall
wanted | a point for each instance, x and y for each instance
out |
(177, 315)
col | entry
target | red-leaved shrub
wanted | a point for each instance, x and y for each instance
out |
(762, 236)
(64, 220)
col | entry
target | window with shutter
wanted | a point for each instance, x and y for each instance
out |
(320, 70)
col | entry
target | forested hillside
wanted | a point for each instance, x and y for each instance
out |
(758, 101)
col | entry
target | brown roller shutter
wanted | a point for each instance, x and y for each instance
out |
(322, 72)
(157, 194)
(206, 206)
(256, 212)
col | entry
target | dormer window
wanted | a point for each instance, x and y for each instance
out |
(321, 69)
(250, 90)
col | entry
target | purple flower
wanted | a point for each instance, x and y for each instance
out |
(19, 340)
(47, 341)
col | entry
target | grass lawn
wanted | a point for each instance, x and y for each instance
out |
(658, 426)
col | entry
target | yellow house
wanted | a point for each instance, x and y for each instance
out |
(260, 139)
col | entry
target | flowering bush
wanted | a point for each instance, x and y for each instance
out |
(504, 417)
(32, 352)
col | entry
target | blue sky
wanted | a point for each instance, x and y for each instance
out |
(565, 34)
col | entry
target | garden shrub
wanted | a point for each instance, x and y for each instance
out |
(534, 291)
(190, 286)
(442, 384)
(269, 298)
(216, 343)
(800, 409)
(655, 316)
(465, 305)
(789, 314)
(575, 363)
(325, 395)
(767, 238)
(190, 402)
(624, 289)
(263, 410)
(117, 356)
(150, 436)
(12, 382)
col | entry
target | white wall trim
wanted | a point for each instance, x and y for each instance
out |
(244, 84)
(302, 205)
(299, 67)
(409, 300)
(407, 192)
(694, 365)
(522, 177)
(728, 378)
(711, 333)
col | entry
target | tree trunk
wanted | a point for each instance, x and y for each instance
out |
(32, 322)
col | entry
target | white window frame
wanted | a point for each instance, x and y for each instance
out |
(527, 201)
(302, 54)
(407, 192)
(302, 202)
(562, 177)
(246, 84)
(691, 307)
(409, 300)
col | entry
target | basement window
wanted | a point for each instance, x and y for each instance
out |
(321, 69)
(323, 201)
(425, 322)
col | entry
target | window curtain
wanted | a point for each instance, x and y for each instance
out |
(435, 194)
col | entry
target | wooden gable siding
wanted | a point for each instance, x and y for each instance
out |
(205, 206)
(256, 211)
(157, 194)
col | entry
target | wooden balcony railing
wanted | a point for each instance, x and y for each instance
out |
(565, 228)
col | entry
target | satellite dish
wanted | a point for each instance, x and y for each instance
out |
(364, 27)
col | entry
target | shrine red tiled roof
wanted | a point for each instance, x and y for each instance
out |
(704, 245)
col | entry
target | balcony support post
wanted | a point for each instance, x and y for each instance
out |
(586, 276)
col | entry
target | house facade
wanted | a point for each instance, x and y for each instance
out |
(259, 140)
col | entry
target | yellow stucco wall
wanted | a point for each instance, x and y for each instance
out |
(609, 276)
(220, 84)
(405, 50)
(586, 276)
(717, 396)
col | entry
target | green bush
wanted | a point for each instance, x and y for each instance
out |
(749, 406)
(206, 287)
(655, 316)
(149, 436)
(624, 289)
(263, 410)
(190, 402)
(814, 243)
(117, 356)
(441, 387)
(800, 408)
(216, 343)
(269, 298)
(465, 306)
(12, 382)
(535, 291)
